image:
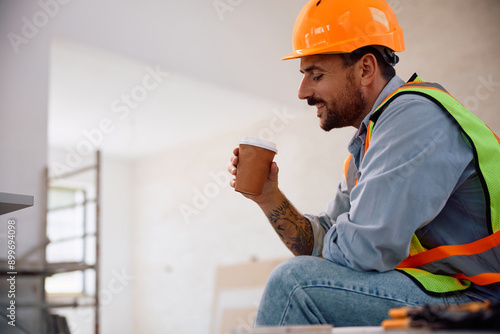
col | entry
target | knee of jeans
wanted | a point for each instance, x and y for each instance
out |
(291, 271)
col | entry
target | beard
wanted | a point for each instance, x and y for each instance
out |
(347, 109)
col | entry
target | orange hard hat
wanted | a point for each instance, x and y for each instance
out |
(342, 26)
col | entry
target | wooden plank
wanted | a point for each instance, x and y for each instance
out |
(245, 275)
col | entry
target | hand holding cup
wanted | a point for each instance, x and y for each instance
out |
(252, 164)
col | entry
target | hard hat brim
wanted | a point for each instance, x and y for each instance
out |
(397, 45)
(299, 54)
(340, 26)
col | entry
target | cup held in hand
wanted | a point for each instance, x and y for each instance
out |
(254, 160)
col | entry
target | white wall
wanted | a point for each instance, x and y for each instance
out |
(455, 42)
(23, 149)
(188, 220)
(23, 121)
(118, 279)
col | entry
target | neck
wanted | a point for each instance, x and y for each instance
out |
(371, 93)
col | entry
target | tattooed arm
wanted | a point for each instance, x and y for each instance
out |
(292, 227)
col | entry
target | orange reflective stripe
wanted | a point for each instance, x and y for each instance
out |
(498, 139)
(409, 86)
(383, 102)
(368, 135)
(433, 88)
(490, 243)
(481, 279)
(346, 165)
(442, 252)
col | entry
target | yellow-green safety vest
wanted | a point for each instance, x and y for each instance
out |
(458, 265)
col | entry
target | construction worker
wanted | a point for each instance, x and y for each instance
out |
(416, 217)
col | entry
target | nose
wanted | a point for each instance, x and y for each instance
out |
(305, 90)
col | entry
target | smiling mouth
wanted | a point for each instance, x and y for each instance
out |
(320, 107)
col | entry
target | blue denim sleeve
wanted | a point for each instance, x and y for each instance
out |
(415, 159)
(323, 222)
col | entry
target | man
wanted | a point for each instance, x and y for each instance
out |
(422, 175)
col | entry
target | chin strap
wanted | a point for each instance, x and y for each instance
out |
(390, 56)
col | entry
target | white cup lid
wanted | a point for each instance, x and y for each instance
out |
(259, 142)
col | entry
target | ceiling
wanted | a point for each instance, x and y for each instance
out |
(217, 63)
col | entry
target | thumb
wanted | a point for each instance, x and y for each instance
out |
(273, 172)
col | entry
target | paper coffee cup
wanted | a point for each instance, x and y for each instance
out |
(254, 160)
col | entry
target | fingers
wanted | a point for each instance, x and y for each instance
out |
(231, 166)
(273, 172)
(232, 170)
(233, 162)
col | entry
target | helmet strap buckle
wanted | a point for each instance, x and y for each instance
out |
(390, 57)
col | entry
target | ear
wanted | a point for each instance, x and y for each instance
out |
(368, 69)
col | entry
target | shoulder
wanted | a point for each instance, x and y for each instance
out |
(416, 112)
(411, 105)
(413, 126)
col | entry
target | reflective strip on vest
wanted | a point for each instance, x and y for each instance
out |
(350, 173)
(478, 262)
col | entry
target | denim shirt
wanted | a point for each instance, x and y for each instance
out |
(417, 177)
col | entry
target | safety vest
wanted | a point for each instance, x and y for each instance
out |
(458, 265)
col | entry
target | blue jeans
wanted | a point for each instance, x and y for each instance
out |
(311, 290)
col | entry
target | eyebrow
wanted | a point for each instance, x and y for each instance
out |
(311, 68)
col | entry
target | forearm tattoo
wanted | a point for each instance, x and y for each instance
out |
(294, 229)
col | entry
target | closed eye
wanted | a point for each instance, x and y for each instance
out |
(318, 77)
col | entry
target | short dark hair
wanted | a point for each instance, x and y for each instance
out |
(350, 59)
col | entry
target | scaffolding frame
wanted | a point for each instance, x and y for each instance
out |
(50, 269)
(45, 269)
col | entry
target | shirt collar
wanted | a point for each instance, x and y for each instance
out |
(391, 86)
(357, 140)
